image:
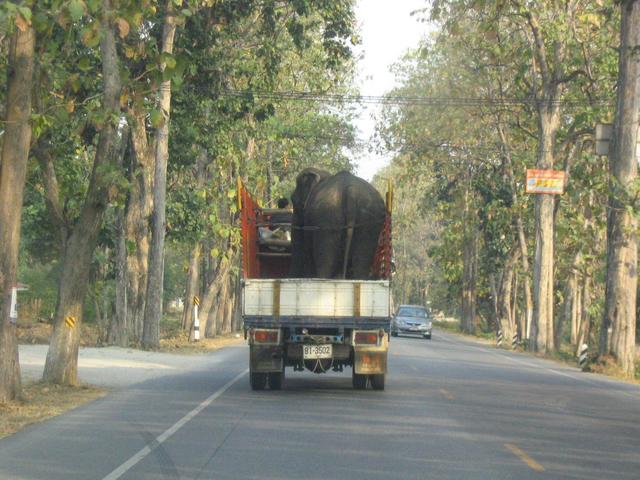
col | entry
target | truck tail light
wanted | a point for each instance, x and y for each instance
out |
(367, 338)
(265, 336)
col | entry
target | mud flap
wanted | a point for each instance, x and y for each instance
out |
(265, 359)
(369, 362)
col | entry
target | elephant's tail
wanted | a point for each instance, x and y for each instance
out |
(350, 215)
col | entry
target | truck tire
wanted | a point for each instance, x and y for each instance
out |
(377, 381)
(359, 381)
(275, 380)
(258, 380)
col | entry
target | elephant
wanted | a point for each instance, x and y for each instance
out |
(306, 181)
(337, 220)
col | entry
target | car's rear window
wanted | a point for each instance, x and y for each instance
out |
(412, 312)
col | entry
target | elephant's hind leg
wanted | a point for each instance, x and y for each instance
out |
(327, 253)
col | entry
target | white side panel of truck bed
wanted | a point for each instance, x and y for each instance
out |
(317, 298)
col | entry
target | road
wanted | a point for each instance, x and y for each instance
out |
(453, 409)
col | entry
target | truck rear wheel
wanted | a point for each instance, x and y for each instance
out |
(258, 380)
(275, 380)
(359, 381)
(377, 381)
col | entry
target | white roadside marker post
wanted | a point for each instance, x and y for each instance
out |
(582, 357)
(196, 320)
(514, 341)
(13, 313)
(499, 340)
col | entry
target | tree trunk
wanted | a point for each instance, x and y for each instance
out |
(209, 302)
(522, 239)
(514, 303)
(13, 170)
(223, 299)
(468, 323)
(542, 323)
(584, 297)
(504, 299)
(62, 357)
(192, 287)
(570, 307)
(622, 251)
(153, 308)
(119, 328)
(193, 279)
(528, 297)
(139, 207)
(495, 298)
(227, 325)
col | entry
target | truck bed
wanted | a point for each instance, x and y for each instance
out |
(316, 303)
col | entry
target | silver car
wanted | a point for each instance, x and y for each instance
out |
(411, 320)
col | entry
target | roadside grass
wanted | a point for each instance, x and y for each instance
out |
(39, 333)
(453, 326)
(448, 326)
(172, 338)
(41, 401)
(175, 340)
(607, 366)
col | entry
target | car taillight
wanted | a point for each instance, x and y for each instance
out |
(367, 338)
(265, 336)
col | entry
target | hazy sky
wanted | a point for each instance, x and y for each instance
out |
(387, 31)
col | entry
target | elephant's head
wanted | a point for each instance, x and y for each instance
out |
(305, 183)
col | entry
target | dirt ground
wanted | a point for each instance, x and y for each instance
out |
(38, 333)
(41, 401)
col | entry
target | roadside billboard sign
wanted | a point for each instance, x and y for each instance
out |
(545, 181)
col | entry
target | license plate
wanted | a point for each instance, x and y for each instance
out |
(414, 329)
(312, 352)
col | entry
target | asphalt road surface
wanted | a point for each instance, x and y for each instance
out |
(452, 409)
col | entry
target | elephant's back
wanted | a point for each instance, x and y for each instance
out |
(328, 202)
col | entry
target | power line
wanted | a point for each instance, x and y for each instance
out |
(404, 99)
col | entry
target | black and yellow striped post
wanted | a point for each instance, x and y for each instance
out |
(196, 320)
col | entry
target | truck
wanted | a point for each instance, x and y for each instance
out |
(313, 324)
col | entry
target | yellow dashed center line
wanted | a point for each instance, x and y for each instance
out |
(447, 394)
(531, 463)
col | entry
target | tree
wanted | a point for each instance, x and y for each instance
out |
(62, 357)
(13, 169)
(617, 332)
(483, 121)
(153, 309)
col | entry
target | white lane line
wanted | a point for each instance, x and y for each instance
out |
(137, 457)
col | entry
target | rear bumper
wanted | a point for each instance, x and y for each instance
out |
(419, 333)
(359, 323)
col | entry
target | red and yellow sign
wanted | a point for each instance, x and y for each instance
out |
(545, 181)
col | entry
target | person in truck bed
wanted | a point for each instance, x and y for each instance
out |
(281, 222)
(279, 229)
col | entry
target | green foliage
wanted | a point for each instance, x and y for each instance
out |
(464, 161)
(226, 54)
